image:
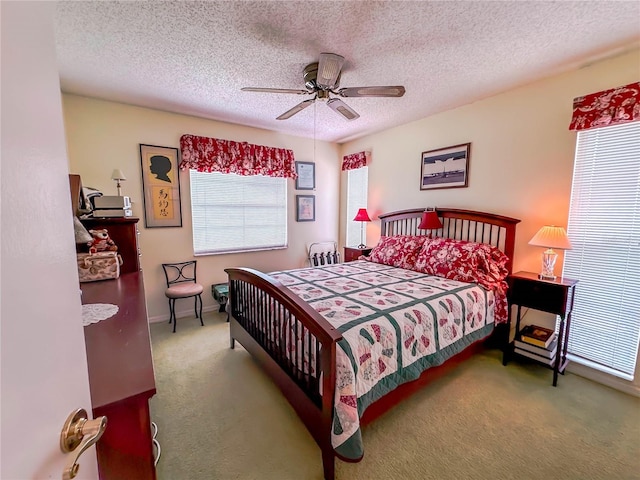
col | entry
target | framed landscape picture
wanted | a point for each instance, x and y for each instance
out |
(160, 186)
(305, 208)
(445, 167)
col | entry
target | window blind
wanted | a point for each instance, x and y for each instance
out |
(357, 187)
(604, 228)
(235, 213)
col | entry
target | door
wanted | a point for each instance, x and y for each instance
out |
(43, 364)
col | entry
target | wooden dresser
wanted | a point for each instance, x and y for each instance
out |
(121, 377)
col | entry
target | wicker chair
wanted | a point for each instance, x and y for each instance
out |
(323, 253)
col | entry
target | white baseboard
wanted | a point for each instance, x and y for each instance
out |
(604, 378)
(187, 312)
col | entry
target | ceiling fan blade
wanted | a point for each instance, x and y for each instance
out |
(386, 91)
(298, 108)
(329, 68)
(275, 90)
(342, 108)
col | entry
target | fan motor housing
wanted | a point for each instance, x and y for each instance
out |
(310, 77)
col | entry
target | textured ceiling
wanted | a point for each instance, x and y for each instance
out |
(193, 57)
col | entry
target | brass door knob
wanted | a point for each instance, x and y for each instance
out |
(78, 431)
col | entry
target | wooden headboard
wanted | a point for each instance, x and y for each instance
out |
(467, 225)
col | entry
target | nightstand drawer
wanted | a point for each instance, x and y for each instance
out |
(539, 295)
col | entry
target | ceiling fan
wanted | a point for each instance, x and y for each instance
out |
(321, 79)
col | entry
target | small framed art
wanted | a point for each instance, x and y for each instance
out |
(305, 208)
(445, 167)
(306, 176)
(160, 186)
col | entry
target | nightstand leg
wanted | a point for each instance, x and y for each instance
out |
(561, 347)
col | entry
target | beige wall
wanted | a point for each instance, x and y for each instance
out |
(104, 135)
(521, 162)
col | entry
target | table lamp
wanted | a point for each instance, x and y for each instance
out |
(550, 237)
(118, 176)
(362, 216)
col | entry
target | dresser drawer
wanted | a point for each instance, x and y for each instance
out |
(540, 295)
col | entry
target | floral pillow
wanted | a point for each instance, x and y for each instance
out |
(463, 261)
(398, 250)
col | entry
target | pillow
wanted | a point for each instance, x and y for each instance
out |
(463, 261)
(81, 234)
(398, 250)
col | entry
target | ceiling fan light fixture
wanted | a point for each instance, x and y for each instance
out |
(329, 68)
(342, 108)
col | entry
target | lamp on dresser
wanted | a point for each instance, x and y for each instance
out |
(550, 237)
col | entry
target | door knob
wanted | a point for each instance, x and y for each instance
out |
(79, 431)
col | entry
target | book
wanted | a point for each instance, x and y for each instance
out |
(548, 352)
(538, 358)
(112, 212)
(535, 335)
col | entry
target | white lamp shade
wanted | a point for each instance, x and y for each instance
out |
(551, 236)
(118, 175)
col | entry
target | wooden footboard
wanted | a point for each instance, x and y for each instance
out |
(294, 344)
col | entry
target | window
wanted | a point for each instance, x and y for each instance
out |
(235, 213)
(604, 228)
(357, 186)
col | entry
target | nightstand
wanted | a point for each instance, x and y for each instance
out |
(352, 253)
(552, 296)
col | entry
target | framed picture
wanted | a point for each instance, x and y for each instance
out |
(305, 208)
(160, 186)
(445, 167)
(306, 176)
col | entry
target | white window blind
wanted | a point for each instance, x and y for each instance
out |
(234, 213)
(604, 228)
(357, 187)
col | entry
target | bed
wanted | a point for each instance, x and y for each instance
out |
(346, 342)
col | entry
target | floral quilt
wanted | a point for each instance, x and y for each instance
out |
(395, 324)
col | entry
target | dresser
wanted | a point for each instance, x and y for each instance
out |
(121, 378)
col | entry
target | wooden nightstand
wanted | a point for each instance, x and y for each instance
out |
(352, 253)
(552, 296)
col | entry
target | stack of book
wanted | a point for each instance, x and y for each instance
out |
(538, 343)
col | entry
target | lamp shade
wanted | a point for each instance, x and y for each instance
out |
(551, 236)
(430, 221)
(118, 175)
(362, 216)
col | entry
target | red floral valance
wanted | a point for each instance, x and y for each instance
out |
(611, 107)
(206, 154)
(355, 160)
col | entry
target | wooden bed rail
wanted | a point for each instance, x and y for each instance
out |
(293, 342)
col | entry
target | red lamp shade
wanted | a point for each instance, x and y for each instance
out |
(430, 221)
(362, 216)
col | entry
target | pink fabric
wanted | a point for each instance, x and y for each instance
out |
(610, 107)
(181, 290)
(353, 161)
(467, 262)
(398, 251)
(206, 154)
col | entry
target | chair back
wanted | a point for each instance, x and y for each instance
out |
(323, 253)
(180, 272)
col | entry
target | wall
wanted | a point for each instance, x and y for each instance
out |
(521, 162)
(105, 135)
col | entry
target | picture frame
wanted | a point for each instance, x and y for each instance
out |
(306, 175)
(160, 186)
(445, 167)
(305, 208)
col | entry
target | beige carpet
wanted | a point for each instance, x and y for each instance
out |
(220, 417)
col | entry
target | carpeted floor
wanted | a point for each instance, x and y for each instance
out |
(221, 418)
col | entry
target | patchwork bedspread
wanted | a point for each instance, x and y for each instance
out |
(395, 324)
